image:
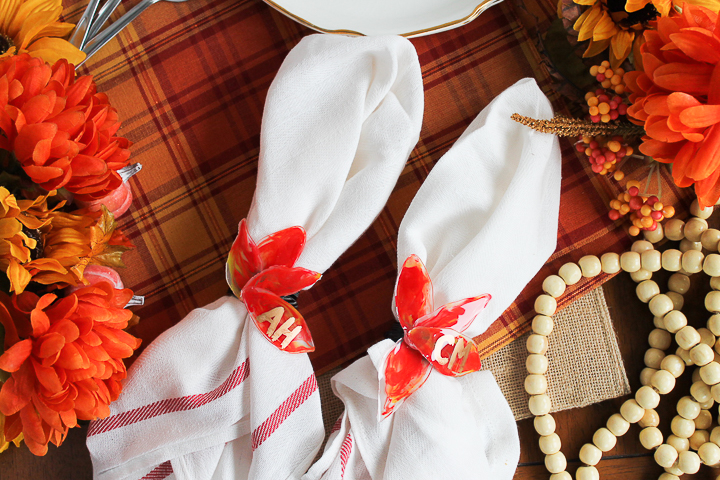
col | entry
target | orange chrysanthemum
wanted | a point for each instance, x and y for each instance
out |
(33, 27)
(60, 129)
(665, 6)
(65, 359)
(677, 98)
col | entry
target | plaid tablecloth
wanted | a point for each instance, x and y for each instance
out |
(190, 79)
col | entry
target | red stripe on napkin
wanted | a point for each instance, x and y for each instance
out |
(345, 450)
(274, 421)
(158, 473)
(170, 405)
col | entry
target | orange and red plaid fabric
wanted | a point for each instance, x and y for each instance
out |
(190, 80)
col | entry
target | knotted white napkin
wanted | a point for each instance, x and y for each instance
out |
(212, 397)
(484, 221)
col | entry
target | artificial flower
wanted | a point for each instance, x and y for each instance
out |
(609, 26)
(261, 274)
(5, 442)
(432, 338)
(65, 359)
(664, 7)
(60, 129)
(677, 98)
(33, 27)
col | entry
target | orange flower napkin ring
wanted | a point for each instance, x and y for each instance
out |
(432, 338)
(261, 274)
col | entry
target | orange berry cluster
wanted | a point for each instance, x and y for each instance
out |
(608, 78)
(603, 107)
(604, 153)
(645, 212)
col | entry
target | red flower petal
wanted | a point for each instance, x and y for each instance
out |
(13, 357)
(404, 371)
(456, 315)
(282, 248)
(449, 352)
(283, 281)
(243, 260)
(278, 321)
(413, 293)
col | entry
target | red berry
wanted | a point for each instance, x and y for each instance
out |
(617, 99)
(652, 200)
(656, 215)
(622, 109)
(595, 118)
(600, 77)
(613, 105)
(614, 215)
(620, 154)
(652, 227)
(597, 168)
(579, 147)
(593, 144)
(635, 203)
(614, 114)
(599, 91)
(633, 191)
(603, 98)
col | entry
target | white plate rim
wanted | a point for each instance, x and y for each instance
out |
(417, 33)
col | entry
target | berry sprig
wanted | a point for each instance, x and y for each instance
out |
(604, 153)
(646, 212)
(603, 107)
(609, 78)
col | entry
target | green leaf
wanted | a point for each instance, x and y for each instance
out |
(563, 57)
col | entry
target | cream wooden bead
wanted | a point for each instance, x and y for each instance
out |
(673, 364)
(545, 305)
(654, 357)
(646, 375)
(590, 266)
(617, 425)
(674, 229)
(692, 261)
(706, 337)
(715, 392)
(660, 339)
(610, 262)
(651, 437)
(679, 283)
(647, 290)
(712, 302)
(682, 427)
(677, 300)
(665, 455)
(703, 421)
(672, 260)
(710, 373)
(590, 454)
(701, 354)
(561, 476)
(651, 260)
(689, 462)
(713, 324)
(641, 246)
(539, 404)
(687, 337)
(709, 404)
(674, 470)
(537, 364)
(715, 436)
(641, 275)
(604, 439)
(554, 286)
(556, 462)
(674, 321)
(686, 246)
(715, 283)
(542, 325)
(688, 408)
(650, 419)
(537, 344)
(709, 453)
(631, 411)
(587, 472)
(663, 382)
(711, 265)
(700, 392)
(697, 211)
(630, 262)
(710, 239)
(544, 425)
(570, 273)
(694, 228)
(698, 438)
(658, 322)
(680, 444)
(660, 305)
(685, 355)
(668, 476)
(535, 384)
(550, 444)
(647, 398)
(656, 235)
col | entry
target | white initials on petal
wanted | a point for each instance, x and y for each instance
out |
(442, 342)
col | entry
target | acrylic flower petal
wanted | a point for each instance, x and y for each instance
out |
(243, 260)
(404, 371)
(282, 280)
(278, 321)
(449, 352)
(456, 315)
(283, 247)
(414, 292)
(13, 357)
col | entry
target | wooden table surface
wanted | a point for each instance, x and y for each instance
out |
(628, 461)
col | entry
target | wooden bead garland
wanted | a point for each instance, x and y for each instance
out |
(691, 444)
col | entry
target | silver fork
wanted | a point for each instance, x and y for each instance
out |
(106, 35)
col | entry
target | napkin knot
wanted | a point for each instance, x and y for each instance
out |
(261, 274)
(432, 338)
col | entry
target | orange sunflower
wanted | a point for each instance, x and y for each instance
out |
(33, 26)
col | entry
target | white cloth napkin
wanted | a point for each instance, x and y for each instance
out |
(211, 397)
(484, 221)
